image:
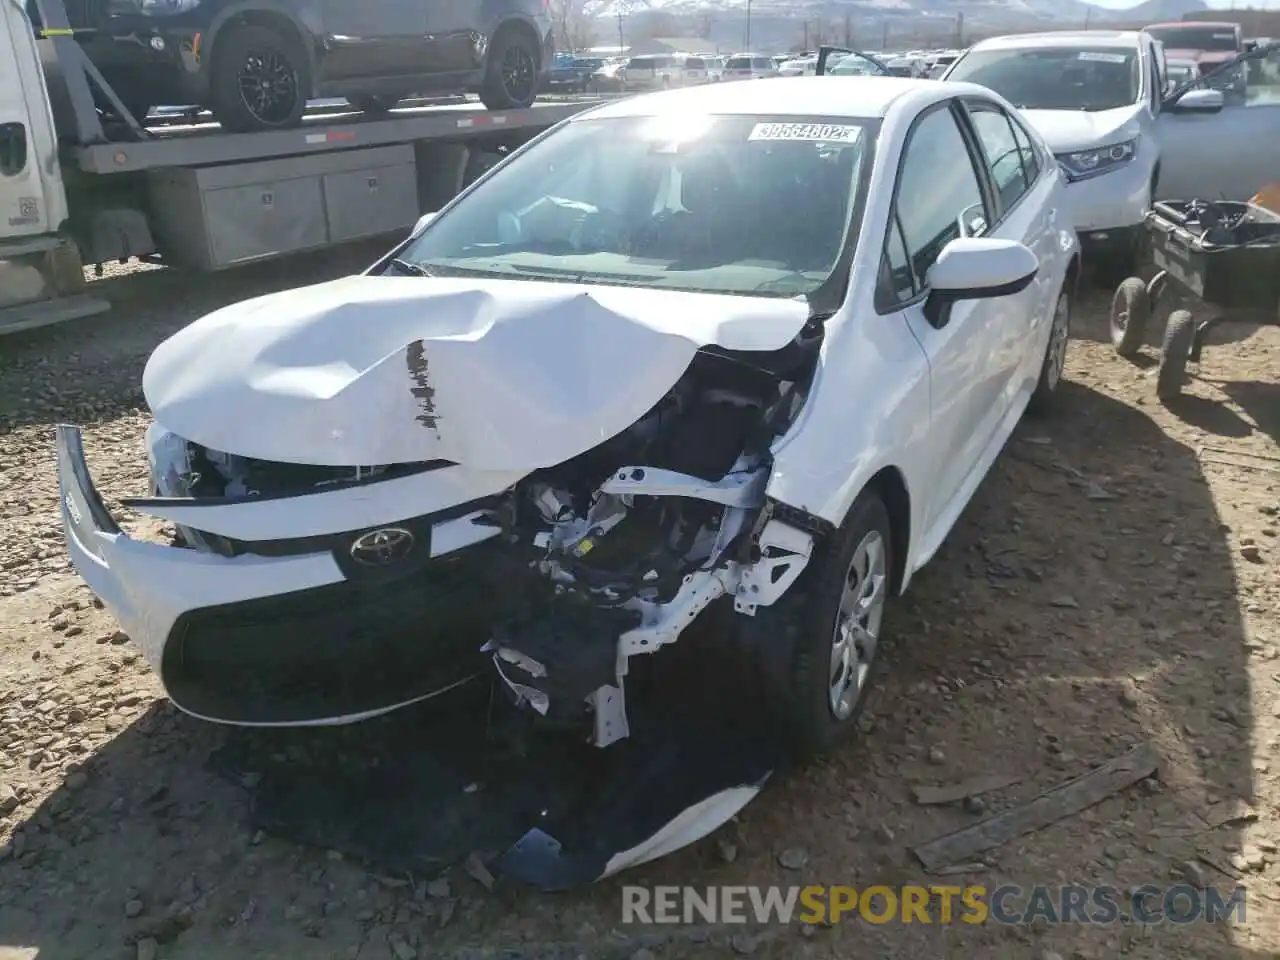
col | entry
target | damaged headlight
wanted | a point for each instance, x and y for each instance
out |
(1092, 163)
(169, 457)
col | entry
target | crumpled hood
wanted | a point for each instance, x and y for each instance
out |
(1068, 131)
(494, 374)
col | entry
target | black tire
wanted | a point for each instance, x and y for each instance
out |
(1055, 358)
(279, 59)
(369, 104)
(1130, 311)
(1179, 333)
(793, 640)
(511, 71)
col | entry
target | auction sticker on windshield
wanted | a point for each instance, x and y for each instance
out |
(817, 132)
(1095, 57)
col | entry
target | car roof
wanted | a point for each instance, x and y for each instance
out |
(1066, 38)
(854, 97)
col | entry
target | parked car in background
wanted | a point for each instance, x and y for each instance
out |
(1180, 72)
(850, 63)
(1227, 152)
(1093, 96)
(1207, 44)
(939, 62)
(1122, 139)
(715, 68)
(905, 67)
(256, 63)
(564, 74)
(654, 71)
(610, 78)
(799, 67)
(695, 70)
(749, 66)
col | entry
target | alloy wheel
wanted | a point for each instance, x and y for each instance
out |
(268, 85)
(857, 630)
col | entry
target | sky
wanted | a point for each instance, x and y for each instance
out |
(1219, 4)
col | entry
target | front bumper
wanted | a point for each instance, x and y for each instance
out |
(1111, 200)
(280, 640)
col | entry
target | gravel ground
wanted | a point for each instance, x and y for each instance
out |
(1116, 579)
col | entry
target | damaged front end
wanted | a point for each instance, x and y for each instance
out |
(542, 533)
(628, 543)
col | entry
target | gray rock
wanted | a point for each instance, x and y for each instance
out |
(793, 858)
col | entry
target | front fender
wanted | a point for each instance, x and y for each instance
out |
(868, 409)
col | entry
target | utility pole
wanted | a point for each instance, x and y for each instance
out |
(622, 47)
(747, 43)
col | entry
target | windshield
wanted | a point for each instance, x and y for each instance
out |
(1219, 39)
(739, 63)
(1055, 78)
(671, 203)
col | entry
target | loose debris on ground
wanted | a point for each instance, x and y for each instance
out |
(1114, 583)
(1062, 801)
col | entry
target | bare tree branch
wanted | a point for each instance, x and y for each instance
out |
(574, 30)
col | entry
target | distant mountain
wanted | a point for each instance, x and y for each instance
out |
(776, 23)
(1153, 11)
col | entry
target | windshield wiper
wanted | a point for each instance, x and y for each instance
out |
(411, 268)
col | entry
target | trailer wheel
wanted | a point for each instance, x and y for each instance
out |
(1175, 350)
(511, 72)
(260, 79)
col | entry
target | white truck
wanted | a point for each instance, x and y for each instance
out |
(77, 189)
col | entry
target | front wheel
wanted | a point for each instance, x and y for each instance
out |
(511, 72)
(826, 633)
(260, 79)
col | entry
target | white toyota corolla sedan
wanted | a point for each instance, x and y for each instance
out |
(742, 348)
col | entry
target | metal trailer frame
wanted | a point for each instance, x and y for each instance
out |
(336, 178)
(96, 152)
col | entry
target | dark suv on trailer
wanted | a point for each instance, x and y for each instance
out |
(255, 63)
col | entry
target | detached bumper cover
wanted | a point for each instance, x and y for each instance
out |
(288, 640)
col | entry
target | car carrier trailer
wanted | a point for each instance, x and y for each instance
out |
(78, 187)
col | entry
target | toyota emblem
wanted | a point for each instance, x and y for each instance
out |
(378, 548)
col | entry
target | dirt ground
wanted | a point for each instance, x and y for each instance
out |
(1116, 579)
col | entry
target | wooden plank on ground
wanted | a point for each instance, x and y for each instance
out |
(972, 787)
(1062, 801)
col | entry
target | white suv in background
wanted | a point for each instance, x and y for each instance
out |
(695, 69)
(1094, 96)
(654, 71)
(749, 66)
